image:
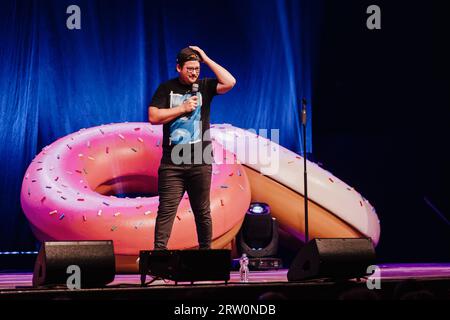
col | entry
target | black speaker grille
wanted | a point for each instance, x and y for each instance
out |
(94, 258)
(333, 258)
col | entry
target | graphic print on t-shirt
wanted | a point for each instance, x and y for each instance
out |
(187, 128)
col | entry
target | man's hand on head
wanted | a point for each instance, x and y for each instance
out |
(226, 81)
(200, 52)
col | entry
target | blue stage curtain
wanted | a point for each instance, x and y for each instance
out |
(54, 81)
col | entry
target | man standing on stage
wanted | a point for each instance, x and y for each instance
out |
(183, 105)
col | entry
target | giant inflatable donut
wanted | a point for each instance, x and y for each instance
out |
(276, 177)
(68, 192)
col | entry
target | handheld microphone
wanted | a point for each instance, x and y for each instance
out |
(194, 89)
(193, 92)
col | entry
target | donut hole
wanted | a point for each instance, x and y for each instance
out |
(131, 186)
(122, 169)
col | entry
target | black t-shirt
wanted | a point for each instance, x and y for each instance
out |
(188, 130)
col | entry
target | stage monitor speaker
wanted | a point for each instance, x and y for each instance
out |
(186, 265)
(95, 260)
(340, 258)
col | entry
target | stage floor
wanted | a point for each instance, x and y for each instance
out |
(19, 285)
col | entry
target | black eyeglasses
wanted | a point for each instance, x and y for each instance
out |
(192, 69)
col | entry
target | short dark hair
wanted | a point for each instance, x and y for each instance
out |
(187, 54)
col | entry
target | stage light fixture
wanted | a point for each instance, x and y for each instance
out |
(258, 237)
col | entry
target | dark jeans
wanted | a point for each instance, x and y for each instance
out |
(173, 181)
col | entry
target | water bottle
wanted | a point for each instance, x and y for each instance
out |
(243, 270)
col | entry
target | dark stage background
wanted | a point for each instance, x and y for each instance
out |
(381, 110)
(379, 98)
